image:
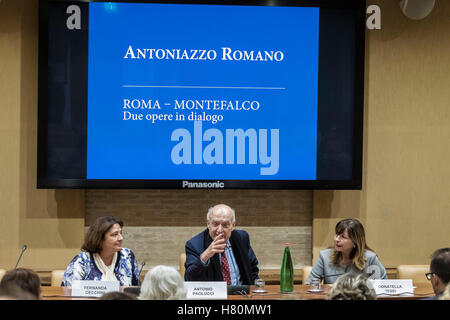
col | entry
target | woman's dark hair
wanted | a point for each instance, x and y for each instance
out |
(96, 234)
(25, 279)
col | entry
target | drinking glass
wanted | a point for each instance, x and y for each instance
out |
(315, 286)
(260, 286)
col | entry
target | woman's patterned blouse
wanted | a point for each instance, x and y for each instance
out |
(83, 267)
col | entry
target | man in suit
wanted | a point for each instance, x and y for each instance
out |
(221, 253)
(439, 274)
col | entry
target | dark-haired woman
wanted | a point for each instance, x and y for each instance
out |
(349, 254)
(103, 257)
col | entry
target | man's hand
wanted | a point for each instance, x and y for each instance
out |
(217, 246)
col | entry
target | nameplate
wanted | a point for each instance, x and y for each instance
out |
(92, 288)
(206, 290)
(397, 287)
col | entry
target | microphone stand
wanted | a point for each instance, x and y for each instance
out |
(20, 257)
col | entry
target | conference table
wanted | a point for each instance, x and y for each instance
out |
(421, 290)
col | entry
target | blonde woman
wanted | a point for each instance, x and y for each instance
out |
(350, 253)
(163, 283)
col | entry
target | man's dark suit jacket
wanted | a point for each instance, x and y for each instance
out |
(243, 253)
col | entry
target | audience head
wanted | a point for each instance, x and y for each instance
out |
(116, 295)
(440, 270)
(351, 286)
(163, 283)
(221, 220)
(22, 279)
(350, 239)
(104, 234)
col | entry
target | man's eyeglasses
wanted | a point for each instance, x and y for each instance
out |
(428, 275)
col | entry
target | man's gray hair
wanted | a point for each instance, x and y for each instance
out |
(351, 286)
(163, 283)
(221, 207)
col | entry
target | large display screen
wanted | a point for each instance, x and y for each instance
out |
(200, 95)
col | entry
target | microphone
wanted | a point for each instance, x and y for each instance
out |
(373, 272)
(20, 257)
(238, 289)
(142, 267)
(137, 289)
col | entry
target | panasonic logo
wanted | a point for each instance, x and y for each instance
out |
(204, 185)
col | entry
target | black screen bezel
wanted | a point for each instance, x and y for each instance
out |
(359, 9)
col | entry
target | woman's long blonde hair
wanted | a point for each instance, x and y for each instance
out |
(356, 233)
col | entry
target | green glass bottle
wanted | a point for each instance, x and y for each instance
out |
(287, 271)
